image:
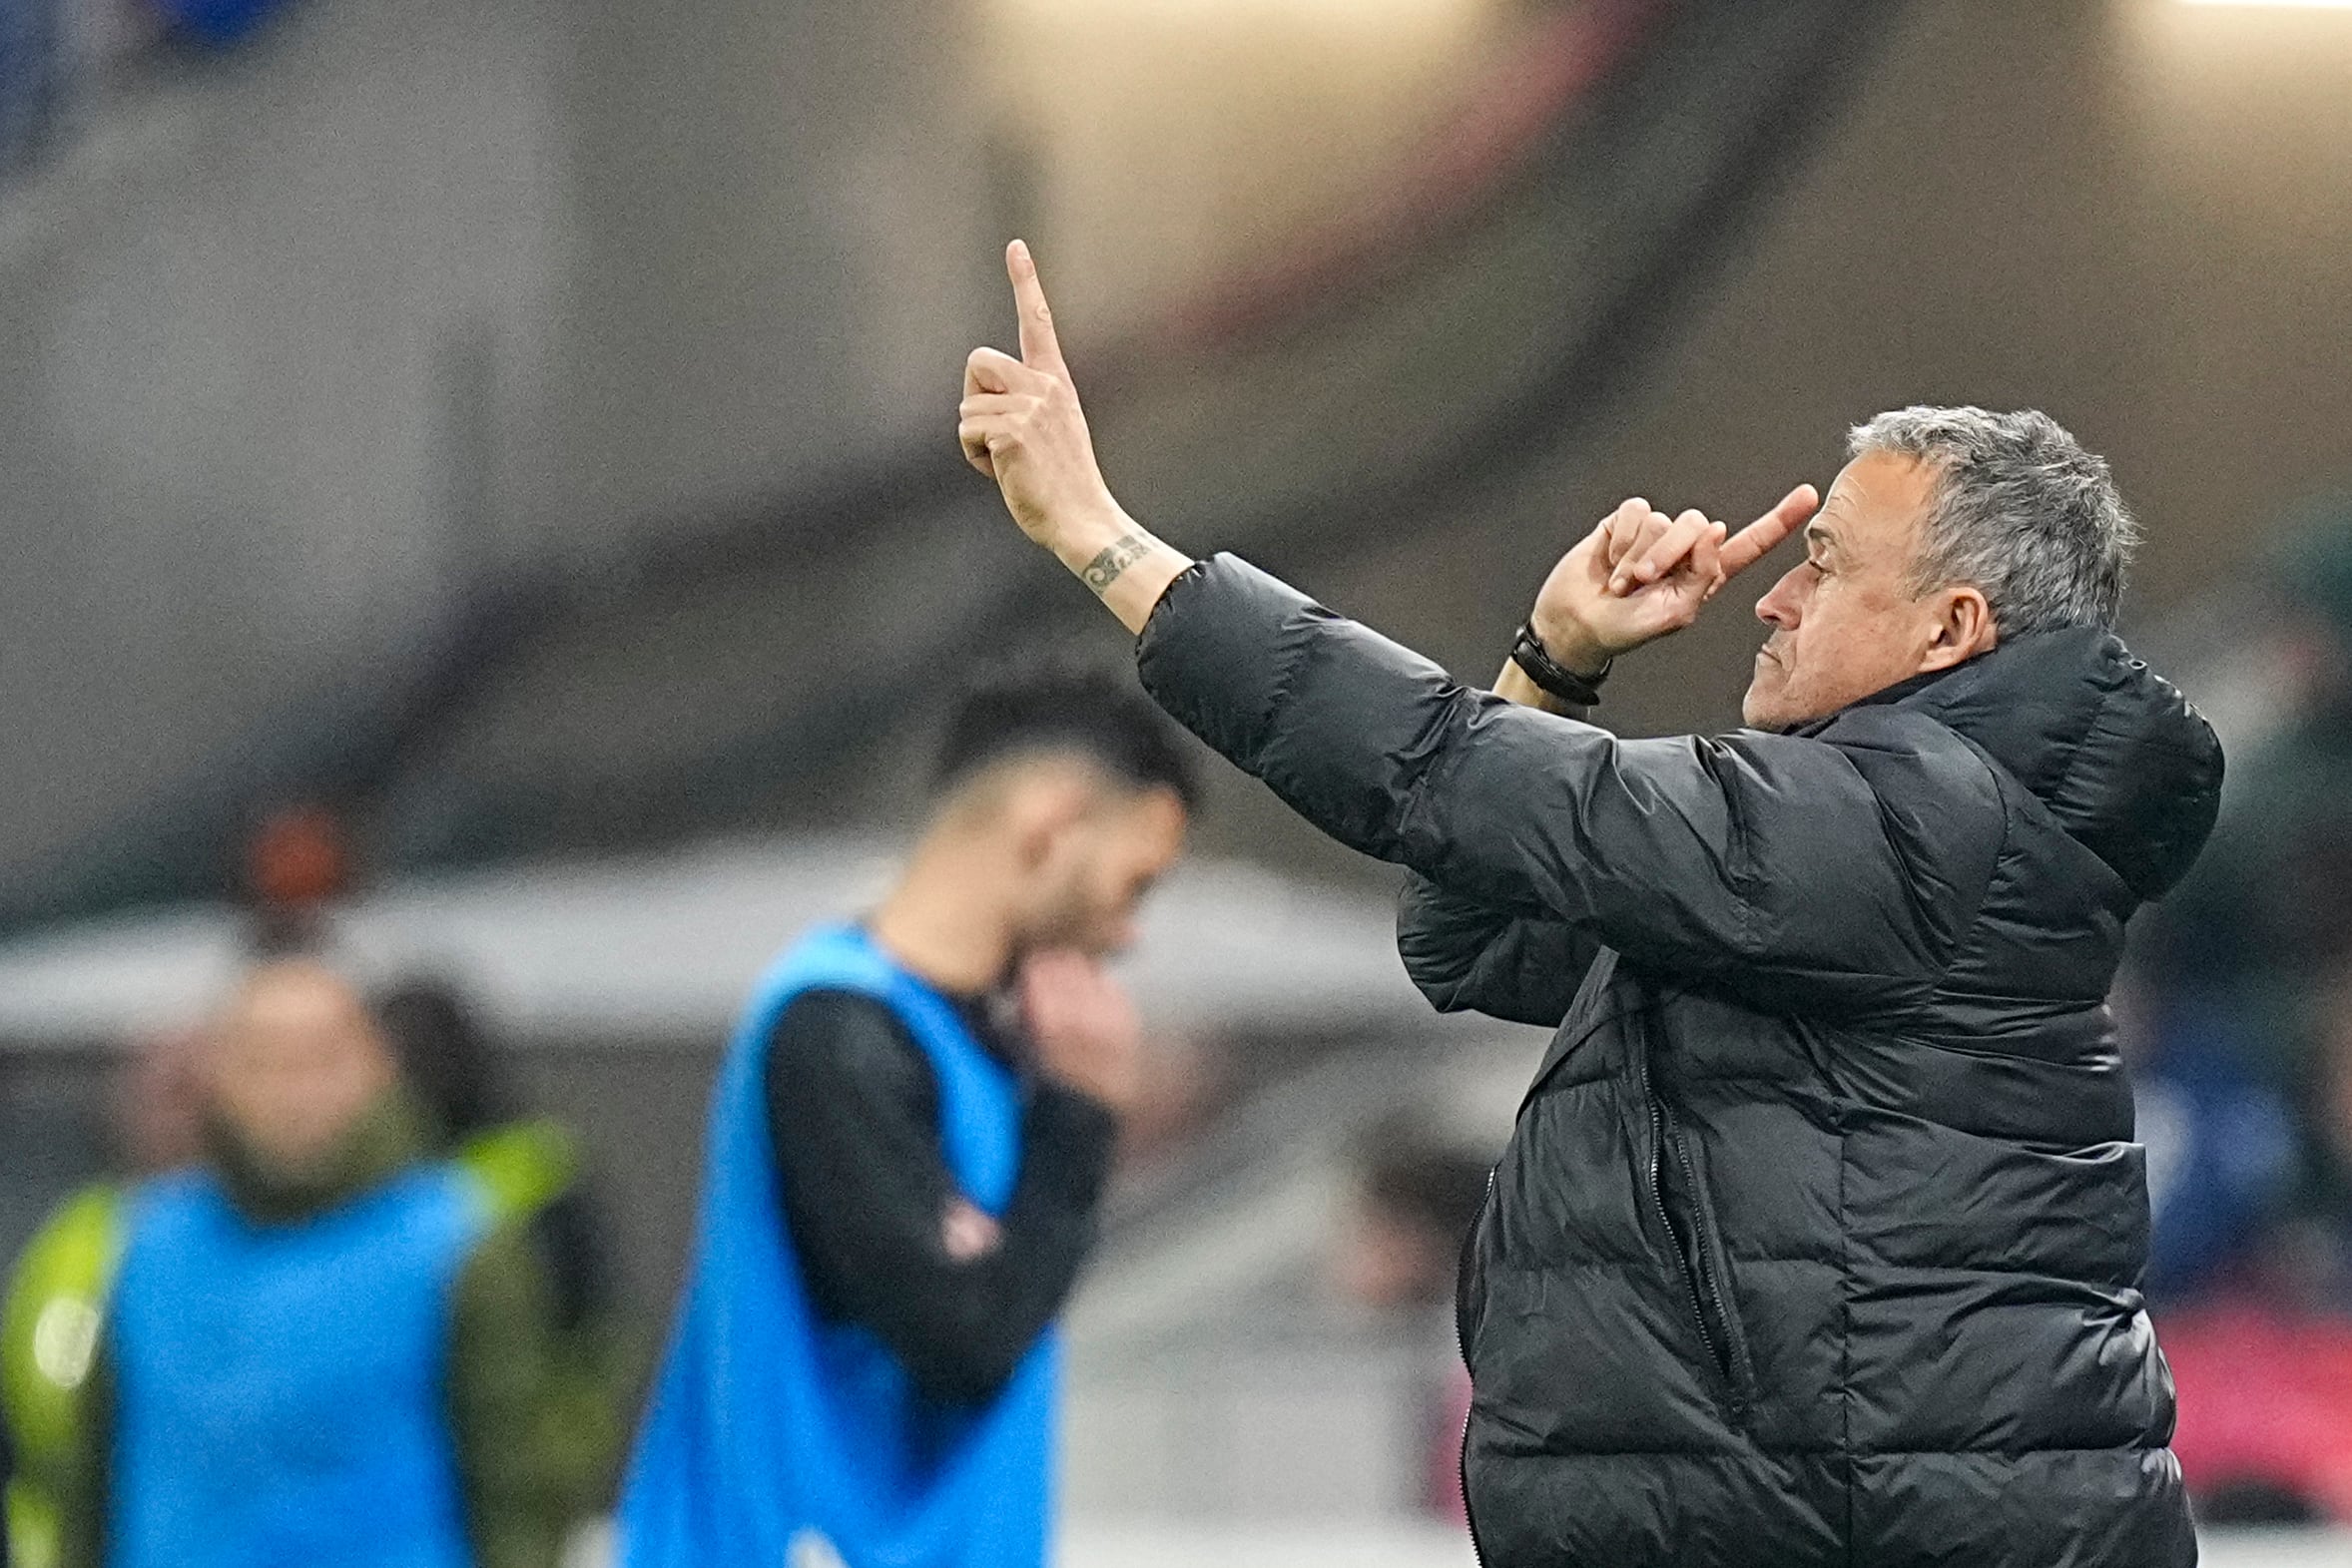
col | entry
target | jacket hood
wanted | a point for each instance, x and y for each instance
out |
(2129, 769)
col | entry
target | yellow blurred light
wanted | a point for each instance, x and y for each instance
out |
(2279, 5)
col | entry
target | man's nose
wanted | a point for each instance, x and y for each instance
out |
(1778, 606)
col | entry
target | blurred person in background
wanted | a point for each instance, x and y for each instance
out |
(1820, 1235)
(1417, 1197)
(530, 1166)
(318, 1347)
(2308, 1256)
(2243, 1055)
(2266, 1362)
(58, 1292)
(2221, 1140)
(908, 1143)
(2267, 914)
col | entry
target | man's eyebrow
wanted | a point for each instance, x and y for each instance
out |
(1816, 535)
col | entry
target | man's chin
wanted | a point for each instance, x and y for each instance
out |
(1767, 710)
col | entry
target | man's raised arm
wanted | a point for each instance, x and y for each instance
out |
(1638, 575)
(1021, 424)
(1668, 850)
(1464, 953)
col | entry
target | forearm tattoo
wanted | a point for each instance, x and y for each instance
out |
(1116, 557)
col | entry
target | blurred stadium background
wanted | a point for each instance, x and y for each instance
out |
(504, 446)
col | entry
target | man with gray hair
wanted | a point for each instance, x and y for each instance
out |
(1819, 1238)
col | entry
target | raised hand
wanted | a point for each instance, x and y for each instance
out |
(1087, 1029)
(1642, 574)
(1021, 424)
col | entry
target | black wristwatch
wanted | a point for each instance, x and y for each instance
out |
(1583, 691)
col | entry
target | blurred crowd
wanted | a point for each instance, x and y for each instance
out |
(2236, 1014)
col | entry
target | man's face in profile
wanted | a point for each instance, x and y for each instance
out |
(1101, 865)
(1846, 621)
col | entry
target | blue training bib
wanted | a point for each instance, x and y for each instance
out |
(777, 1440)
(281, 1388)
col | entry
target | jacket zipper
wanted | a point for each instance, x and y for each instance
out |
(1461, 1344)
(1731, 1359)
(1699, 1285)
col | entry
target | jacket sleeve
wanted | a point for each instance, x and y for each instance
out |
(498, 1369)
(1469, 956)
(1767, 864)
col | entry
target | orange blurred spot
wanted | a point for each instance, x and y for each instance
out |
(297, 856)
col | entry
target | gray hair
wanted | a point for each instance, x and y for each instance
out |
(2021, 511)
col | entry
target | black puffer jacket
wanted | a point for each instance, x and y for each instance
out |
(1818, 1236)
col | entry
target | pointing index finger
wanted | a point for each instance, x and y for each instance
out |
(1752, 543)
(1040, 350)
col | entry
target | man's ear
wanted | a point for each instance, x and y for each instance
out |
(1964, 628)
(1042, 804)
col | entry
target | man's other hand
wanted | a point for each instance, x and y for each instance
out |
(1642, 574)
(1087, 1031)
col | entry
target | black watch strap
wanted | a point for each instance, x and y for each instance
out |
(1554, 678)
